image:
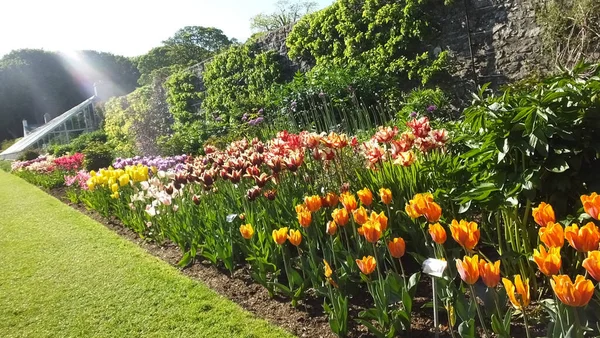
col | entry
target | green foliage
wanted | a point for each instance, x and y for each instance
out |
(188, 46)
(385, 35)
(208, 38)
(79, 143)
(240, 80)
(134, 123)
(337, 98)
(5, 165)
(97, 155)
(541, 139)
(183, 95)
(419, 100)
(7, 143)
(570, 29)
(118, 119)
(29, 155)
(50, 180)
(535, 142)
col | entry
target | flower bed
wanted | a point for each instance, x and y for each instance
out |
(343, 219)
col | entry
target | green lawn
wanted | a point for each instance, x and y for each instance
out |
(64, 275)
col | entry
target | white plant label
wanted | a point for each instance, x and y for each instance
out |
(434, 267)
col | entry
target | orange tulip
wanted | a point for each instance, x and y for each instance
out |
(397, 247)
(490, 273)
(592, 264)
(423, 204)
(381, 218)
(412, 213)
(330, 200)
(349, 202)
(365, 196)
(468, 269)
(591, 204)
(576, 294)
(371, 231)
(247, 231)
(386, 196)
(548, 262)
(543, 214)
(583, 239)
(465, 233)
(552, 235)
(280, 236)
(366, 264)
(300, 208)
(420, 201)
(438, 233)
(360, 215)
(295, 237)
(304, 218)
(340, 216)
(313, 203)
(331, 228)
(328, 271)
(522, 297)
(433, 212)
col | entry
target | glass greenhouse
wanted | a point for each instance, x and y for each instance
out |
(60, 130)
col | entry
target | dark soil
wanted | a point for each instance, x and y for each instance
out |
(306, 320)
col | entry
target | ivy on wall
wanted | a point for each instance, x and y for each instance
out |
(385, 35)
(240, 80)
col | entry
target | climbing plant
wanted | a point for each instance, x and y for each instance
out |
(241, 80)
(383, 34)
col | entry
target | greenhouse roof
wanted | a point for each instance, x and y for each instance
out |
(29, 140)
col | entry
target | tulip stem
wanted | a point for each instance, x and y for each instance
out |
(559, 313)
(496, 301)
(402, 269)
(526, 322)
(378, 265)
(347, 239)
(481, 320)
(577, 322)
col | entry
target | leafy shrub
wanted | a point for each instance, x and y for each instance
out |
(240, 81)
(541, 139)
(430, 102)
(134, 123)
(29, 155)
(97, 155)
(334, 97)
(385, 35)
(79, 143)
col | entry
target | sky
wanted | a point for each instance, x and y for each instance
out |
(123, 27)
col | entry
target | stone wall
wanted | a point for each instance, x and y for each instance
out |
(275, 41)
(496, 41)
(491, 41)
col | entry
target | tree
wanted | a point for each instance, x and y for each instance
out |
(286, 13)
(208, 38)
(188, 46)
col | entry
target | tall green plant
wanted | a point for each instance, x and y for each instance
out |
(384, 35)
